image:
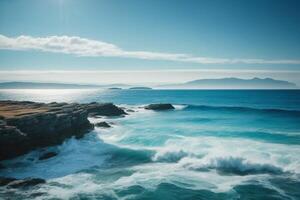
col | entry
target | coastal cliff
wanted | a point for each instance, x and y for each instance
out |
(25, 126)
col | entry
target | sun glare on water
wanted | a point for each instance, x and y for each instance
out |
(50, 95)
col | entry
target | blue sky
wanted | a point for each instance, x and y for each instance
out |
(149, 35)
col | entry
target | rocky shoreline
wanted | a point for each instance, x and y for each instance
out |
(25, 126)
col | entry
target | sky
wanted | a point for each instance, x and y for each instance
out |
(127, 41)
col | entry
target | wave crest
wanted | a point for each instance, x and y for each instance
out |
(170, 156)
(230, 165)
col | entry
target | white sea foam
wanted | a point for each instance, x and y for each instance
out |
(240, 155)
(148, 176)
(191, 163)
(237, 154)
(73, 156)
(180, 106)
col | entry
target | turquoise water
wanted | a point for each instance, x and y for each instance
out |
(216, 144)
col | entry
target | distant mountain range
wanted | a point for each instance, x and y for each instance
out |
(223, 83)
(234, 83)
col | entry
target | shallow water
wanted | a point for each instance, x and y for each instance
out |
(216, 144)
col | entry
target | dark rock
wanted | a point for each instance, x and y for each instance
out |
(130, 110)
(25, 125)
(47, 155)
(5, 180)
(27, 133)
(20, 134)
(2, 166)
(17, 183)
(104, 109)
(103, 125)
(95, 116)
(27, 182)
(37, 194)
(160, 106)
(12, 142)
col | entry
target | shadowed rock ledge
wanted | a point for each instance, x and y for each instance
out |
(160, 106)
(25, 126)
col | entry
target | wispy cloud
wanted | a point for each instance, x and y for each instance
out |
(93, 48)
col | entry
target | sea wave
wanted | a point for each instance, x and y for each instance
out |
(73, 156)
(227, 165)
(140, 108)
(236, 156)
(243, 109)
(230, 165)
(180, 106)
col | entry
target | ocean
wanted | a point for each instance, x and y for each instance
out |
(216, 144)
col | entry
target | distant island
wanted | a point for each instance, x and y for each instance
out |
(223, 83)
(140, 88)
(233, 83)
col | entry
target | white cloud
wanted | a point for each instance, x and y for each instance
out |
(94, 48)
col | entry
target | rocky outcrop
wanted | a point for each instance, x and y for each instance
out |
(13, 142)
(20, 183)
(103, 109)
(102, 125)
(25, 126)
(5, 181)
(160, 106)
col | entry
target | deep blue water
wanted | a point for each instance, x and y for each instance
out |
(216, 144)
